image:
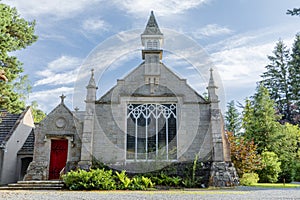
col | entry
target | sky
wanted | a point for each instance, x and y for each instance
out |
(234, 37)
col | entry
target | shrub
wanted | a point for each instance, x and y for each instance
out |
(94, 179)
(271, 168)
(165, 180)
(101, 179)
(249, 179)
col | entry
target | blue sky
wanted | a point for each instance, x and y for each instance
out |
(236, 34)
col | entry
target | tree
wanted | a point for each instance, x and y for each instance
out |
(243, 154)
(276, 80)
(286, 148)
(295, 11)
(15, 34)
(232, 118)
(38, 115)
(294, 77)
(260, 120)
(271, 168)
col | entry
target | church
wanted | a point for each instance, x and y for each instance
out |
(150, 119)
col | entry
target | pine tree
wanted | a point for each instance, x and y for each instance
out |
(260, 120)
(15, 34)
(232, 118)
(276, 80)
(295, 11)
(294, 77)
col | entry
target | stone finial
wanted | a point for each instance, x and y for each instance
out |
(62, 97)
(92, 83)
(211, 79)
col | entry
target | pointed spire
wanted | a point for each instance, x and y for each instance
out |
(92, 83)
(152, 26)
(212, 90)
(211, 83)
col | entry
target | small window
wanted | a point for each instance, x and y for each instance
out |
(149, 45)
(155, 44)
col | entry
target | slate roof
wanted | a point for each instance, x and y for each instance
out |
(7, 125)
(152, 26)
(28, 145)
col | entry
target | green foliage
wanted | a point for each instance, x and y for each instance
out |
(271, 168)
(124, 181)
(38, 115)
(191, 180)
(232, 118)
(243, 154)
(276, 80)
(297, 171)
(102, 179)
(260, 120)
(249, 179)
(282, 79)
(286, 149)
(295, 11)
(165, 180)
(94, 179)
(294, 79)
(15, 34)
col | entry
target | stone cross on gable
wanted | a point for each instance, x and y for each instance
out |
(62, 98)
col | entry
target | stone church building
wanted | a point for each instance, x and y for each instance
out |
(149, 119)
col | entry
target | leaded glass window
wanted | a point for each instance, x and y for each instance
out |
(151, 132)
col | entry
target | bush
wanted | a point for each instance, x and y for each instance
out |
(297, 171)
(271, 168)
(94, 179)
(101, 179)
(165, 180)
(249, 179)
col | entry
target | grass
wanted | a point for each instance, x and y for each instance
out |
(276, 185)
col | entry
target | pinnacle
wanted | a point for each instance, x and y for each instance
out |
(152, 26)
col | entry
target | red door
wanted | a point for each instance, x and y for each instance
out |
(58, 157)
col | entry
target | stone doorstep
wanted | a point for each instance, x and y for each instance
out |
(30, 188)
(35, 185)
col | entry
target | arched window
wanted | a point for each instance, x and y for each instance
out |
(151, 132)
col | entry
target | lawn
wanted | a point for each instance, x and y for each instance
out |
(276, 185)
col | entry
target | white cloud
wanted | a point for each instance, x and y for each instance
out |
(211, 30)
(95, 25)
(161, 7)
(56, 8)
(49, 98)
(241, 60)
(61, 71)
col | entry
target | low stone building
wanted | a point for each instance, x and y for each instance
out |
(152, 118)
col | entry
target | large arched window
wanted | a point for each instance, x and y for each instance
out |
(151, 132)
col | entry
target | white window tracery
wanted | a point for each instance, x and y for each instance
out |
(151, 132)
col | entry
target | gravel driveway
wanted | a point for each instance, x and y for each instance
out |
(239, 193)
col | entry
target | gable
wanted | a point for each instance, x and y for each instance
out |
(169, 85)
(9, 122)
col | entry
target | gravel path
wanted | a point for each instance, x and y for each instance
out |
(239, 193)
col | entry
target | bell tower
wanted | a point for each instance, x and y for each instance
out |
(152, 41)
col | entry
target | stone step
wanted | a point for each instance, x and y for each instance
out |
(30, 188)
(34, 185)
